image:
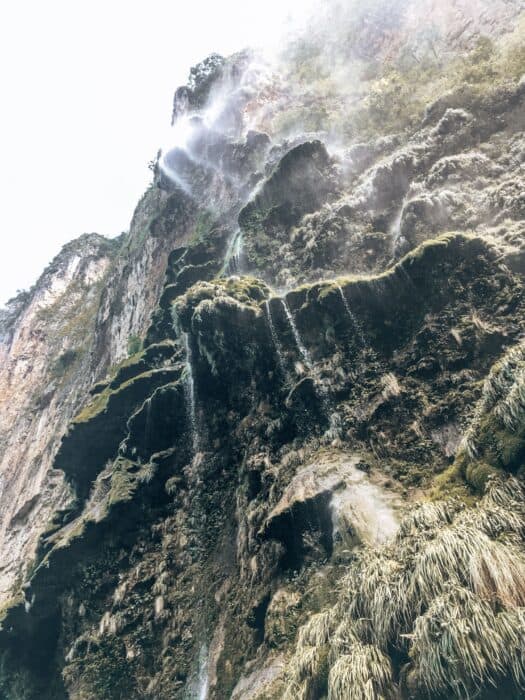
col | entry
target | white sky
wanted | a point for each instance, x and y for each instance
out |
(86, 89)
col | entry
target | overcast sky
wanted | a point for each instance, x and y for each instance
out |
(86, 90)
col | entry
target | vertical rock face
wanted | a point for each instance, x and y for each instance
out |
(44, 377)
(270, 443)
(161, 222)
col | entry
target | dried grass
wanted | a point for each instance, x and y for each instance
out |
(448, 593)
(365, 673)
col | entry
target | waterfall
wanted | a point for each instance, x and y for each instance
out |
(203, 679)
(300, 346)
(353, 318)
(394, 229)
(395, 226)
(147, 426)
(189, 390)
(232, 259)
(333, 417)
(370, 509)
(172, 174)
(277, 343)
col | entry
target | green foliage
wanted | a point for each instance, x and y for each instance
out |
(390, 96)
(203, 76)
(203, 226)
(495, 439)
(134, 345)
(123, 483)
(307, 118)
(94, 407)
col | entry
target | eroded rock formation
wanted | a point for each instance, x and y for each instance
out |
(269, 444)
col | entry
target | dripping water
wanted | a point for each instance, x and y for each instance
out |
(300, 346)
(353, 319)
(203, 680)
(189, 386)
(334, 419)
(171, 173)
(395, 227)
(147, 427)
(232, 259)
(277, 343)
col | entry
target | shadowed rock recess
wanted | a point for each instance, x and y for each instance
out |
(270, 443)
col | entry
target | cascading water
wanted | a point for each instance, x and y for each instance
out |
(352, 316)
(395, 229)
(197, 157)
(275, 338)
(359, 330)
(203, 679)
(395, 226)
(300, 346)
(334, 419)
(147, 428)
(233, 257)
(372, 510)
(189, 387)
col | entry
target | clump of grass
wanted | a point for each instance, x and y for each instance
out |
(426, 517)
(503, 399)
(377, 595)
(362, 674)
(307, 673)
(463, 553)
(447, 595)
(317, 630)
(346, 635)
(459, 644)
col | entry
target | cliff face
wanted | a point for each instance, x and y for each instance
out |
(270, 442)
(44, 377)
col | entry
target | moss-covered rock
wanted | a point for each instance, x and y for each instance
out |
(96, 432)
(234, 529)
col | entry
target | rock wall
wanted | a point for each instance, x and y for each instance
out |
(282, 452)
(44, 378)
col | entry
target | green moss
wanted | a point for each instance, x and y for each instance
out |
(134, 344)
(74, 533)
(94, 407)
(123, 482)
(477, 474)
(245, 289)
(100, 402)
(203, 227)
(498, 450)
(499, 447)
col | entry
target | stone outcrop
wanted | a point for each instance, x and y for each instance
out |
(269, 443)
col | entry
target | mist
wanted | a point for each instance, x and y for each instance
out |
(87, 95)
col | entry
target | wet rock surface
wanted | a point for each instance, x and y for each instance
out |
(239, 404)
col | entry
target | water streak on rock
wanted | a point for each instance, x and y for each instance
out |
(189, 388)
(203, 680)
(233, 257)
(275, 338)
(300, 345)
(352, 316)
